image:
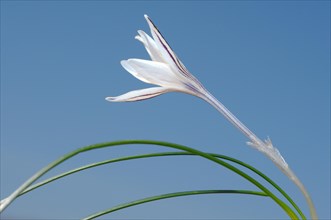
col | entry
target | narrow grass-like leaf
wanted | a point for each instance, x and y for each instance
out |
(49, 180)
(25, 185)
(172, 195)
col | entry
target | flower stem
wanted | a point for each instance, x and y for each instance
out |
(305, 193)
(265, 147)
(233, 119)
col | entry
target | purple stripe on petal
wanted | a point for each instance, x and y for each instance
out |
(173, 56)
(138, 95)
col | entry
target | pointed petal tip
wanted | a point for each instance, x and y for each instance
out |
(149, 21)
(139, 38)
(109, 99)
(123, 62)
(141, 32)
(114, 99)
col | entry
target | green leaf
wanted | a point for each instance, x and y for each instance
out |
(172, 195)
(210, 157)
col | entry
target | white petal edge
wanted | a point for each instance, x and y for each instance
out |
(164, 48)
(150, 46)
(169, 55)
(141, 94)
(152, 72)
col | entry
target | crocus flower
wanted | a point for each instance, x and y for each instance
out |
(164, 70)
(168, 72)
(170, 75)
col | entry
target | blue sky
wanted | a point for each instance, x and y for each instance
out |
(267, 61)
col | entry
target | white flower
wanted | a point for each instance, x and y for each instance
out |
(168, 72)
(164, 70)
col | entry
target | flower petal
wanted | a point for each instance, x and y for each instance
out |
(169, 55)
(138, 95)
(152, 72)
(150, 46)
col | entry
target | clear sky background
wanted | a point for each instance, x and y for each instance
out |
(267, 61)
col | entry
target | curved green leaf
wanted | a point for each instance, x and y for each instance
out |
(14, 195)
(172, 195)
